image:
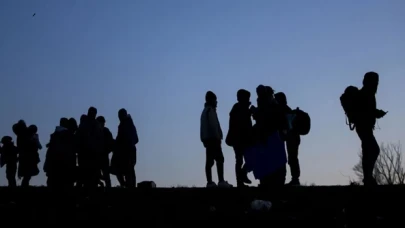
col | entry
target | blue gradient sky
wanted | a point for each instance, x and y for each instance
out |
(157, 59)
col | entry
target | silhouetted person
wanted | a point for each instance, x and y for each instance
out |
(240, 133)
(60, 163)
(368, 113)
(80, 150)
(73, 127)
(270, 125)
(262, 114)
(107, 148)
(27, 145)
(267, 115)
(279, 121)
(34, 138)
(81, 147)
(211, 137)
(9, 158)
(91, 139)
(124, 156)
(293, 140)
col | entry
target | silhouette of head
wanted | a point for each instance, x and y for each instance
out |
(101, 120)
(73, 124)
(92, 113)
(16, 129)
(32, 129)
(281, 98)
(122, 114)
(211, 99)
(64, 122)
(20, 128)
(270, 94)
(6, 140)
(370, 81)
(269, 91)
(83, 119)
(243, 96)
(22, 123)
(261, 91)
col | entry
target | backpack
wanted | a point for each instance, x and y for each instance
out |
(349, 101)
(147, 185)
(302, 122)
(131, 130)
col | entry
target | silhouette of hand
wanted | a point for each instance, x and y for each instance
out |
(380, 114)
(252, 109)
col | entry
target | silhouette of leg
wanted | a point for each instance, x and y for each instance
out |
(49, 181)
(106, 171)
(106, 177)
(25, 181)
(370, 152)
(131, 178)
(281, 173)
(219, 160)
(370, 155)
(121, 180)
(275, 179)
(292, 151)
(11, 170)
(209, 161)
(238, 166)
(240, 170)
(12, 182)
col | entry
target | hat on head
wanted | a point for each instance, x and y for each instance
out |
(210, 96)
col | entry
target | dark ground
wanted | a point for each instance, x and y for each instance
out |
(346, 206)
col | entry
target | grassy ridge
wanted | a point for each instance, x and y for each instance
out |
(338, 206)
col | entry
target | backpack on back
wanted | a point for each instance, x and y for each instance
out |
(301, 122)
(350, 103)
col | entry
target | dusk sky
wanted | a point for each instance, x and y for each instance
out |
(157, 59)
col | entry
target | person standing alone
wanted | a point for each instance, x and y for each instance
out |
(211, 137)
(368, 113)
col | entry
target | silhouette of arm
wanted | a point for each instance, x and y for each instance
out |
(110, 140)
(213, 126)
(379, 113)
(136, 139)
(230, 138)
(39, 145)
(1, 157)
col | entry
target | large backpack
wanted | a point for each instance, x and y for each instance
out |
(350, 103)
(302, 122)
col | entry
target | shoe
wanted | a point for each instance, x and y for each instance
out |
(211, 185)
(241, 185)
(370, 182)
(224, 184)
(294, 182)
(246, 180)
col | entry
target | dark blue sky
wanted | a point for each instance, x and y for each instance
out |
(158, 58)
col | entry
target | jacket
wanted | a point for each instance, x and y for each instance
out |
(210, 127)
(240, 126)
(367, 110)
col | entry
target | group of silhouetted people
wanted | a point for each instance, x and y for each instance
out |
(25, 154)
(77, 155)
(272, 117)
(277, 131)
